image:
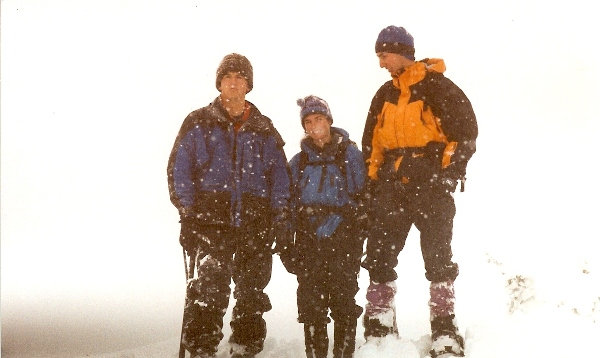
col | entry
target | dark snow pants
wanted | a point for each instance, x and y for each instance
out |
(245, 256)
(327, 277)
(394, 210)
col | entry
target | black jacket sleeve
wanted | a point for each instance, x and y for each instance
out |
(449, 103)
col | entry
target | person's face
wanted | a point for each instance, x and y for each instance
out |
(317, 126)
(393, 62)
(233, 85)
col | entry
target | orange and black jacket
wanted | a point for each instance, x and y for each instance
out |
(416, 110)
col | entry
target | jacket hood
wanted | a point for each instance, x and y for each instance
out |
(417, 71)
(434, 65)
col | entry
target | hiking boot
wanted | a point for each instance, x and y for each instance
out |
(380, 311)
(446, 341)
(247, 336)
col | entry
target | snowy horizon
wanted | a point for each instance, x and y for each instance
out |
(93, 94)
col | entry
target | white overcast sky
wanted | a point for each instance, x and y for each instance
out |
(93, 93)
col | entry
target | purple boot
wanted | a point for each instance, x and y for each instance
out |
(380, 311)
(446, 340)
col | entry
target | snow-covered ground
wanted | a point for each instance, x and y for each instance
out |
(93, 94)
(502, 311)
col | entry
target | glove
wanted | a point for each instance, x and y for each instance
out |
(285, 248)
(188, 238)
(357, 219)
(448, 179)
(447, 184)
(284, 239)
(289, 259)
(452, 174)
(192, 236)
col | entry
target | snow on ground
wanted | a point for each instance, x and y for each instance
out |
(502, 312)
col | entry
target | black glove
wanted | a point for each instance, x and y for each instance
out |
(191, 236)
(289, 259)
(285, 248)
(188, 237)
(448, 179)
(357, 215)
(281, 231)
(447, 183)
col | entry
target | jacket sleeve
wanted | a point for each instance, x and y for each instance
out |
(294, 194)
(279, 178)
(188, 154)
(457, 119)
(356, 172)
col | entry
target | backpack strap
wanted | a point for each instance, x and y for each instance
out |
(302, 162)
(340, 156)
(339, 160)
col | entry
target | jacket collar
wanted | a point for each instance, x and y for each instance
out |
(338, 135)
(417, 71)
(256, 121)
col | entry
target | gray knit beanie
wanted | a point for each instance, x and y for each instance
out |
(235, 63)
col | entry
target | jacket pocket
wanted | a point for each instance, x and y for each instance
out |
(213, 208)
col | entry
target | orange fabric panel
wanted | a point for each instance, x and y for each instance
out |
(408, 123)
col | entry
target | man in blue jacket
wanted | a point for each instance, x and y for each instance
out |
(228, 177)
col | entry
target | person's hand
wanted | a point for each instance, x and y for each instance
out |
(283, 237)
(192, 235)
(285, 248)
(189, 235)
(449, 184)
(289, 259)
(446, 181)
